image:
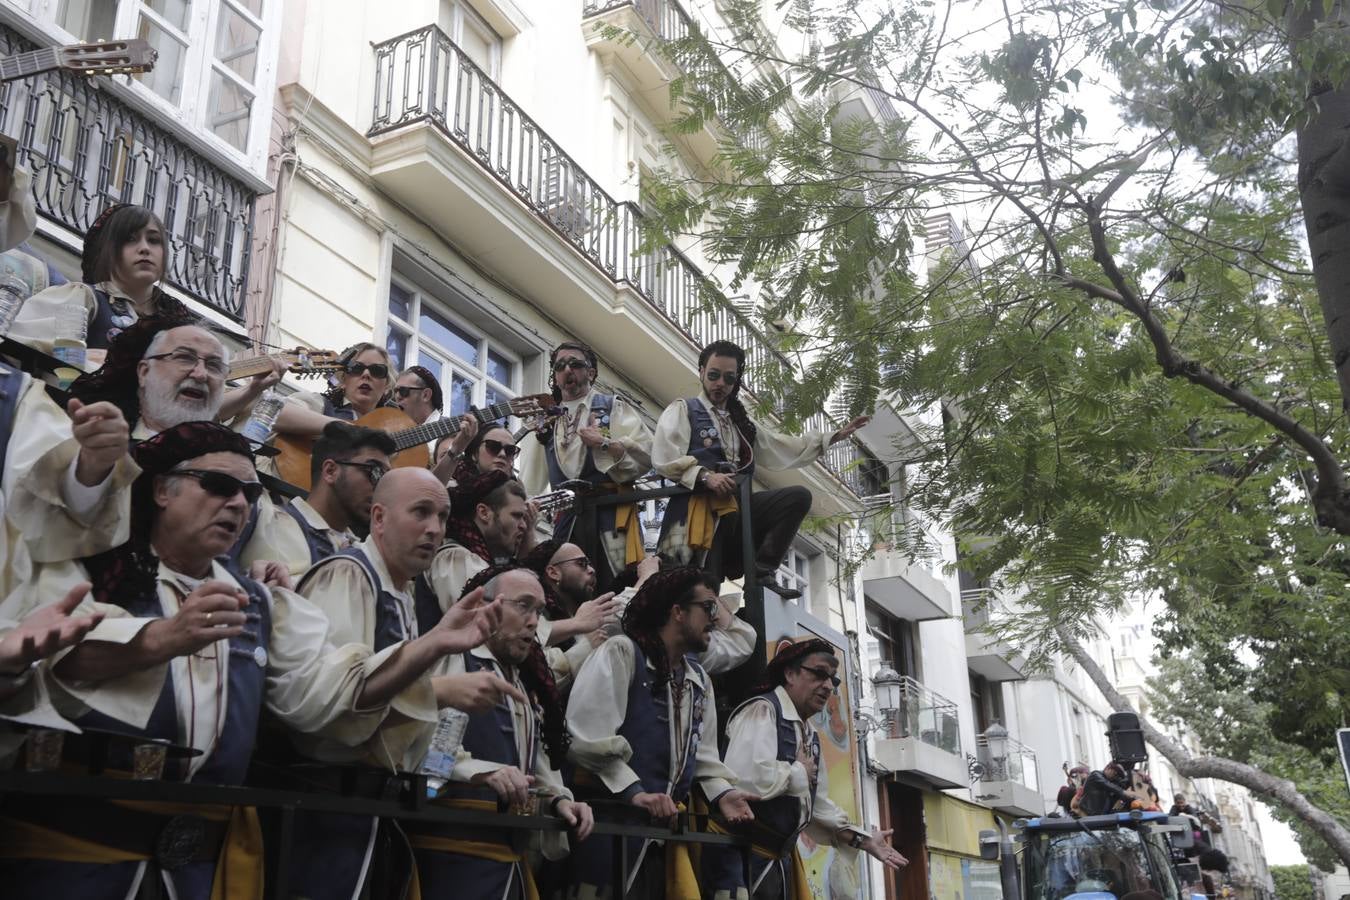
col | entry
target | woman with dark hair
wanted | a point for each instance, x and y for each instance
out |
(123, 261)
(704, 443)
(366, 383)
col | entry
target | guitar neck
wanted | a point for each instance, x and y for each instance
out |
(434, 431)
(24, 64)
(249, 366)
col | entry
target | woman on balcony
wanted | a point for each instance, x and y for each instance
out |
(122, 263)
(366, 383)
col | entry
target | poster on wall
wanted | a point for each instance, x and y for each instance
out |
(830, 874)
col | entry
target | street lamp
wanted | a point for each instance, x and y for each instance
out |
(889, 689)
(996, 742)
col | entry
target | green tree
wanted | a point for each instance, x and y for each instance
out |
(1292, 882)
(1139, 354)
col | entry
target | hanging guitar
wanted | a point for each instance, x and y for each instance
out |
(122, 57)
(410, 439)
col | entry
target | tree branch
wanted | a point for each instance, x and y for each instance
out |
(1279, 790)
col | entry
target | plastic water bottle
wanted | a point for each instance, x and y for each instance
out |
(440, 759)
(72, 323)
(13, 292)
(258, 428)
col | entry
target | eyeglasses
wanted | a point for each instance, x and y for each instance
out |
(376, 370)
(403, 390)
(374, 470)
(708, 606)
(822, 675)
(582, 561)
(188, 359)
(570, 363)
(728, 377)
(218, 484)
(497, 448)
(526, 607)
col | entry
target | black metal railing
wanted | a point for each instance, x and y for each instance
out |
(423, 77)
(87, 150)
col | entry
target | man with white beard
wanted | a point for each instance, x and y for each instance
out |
(181, 379)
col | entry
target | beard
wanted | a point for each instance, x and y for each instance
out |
(574, 596)
(163, 405)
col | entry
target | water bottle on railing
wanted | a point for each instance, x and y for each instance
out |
(72, 323)
(258, 428)
(440, 759)
(13, 292)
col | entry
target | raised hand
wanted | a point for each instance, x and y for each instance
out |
(735, 806)
(597, 613)
(474, 692)
(212, 612)
(103, 435)
(468, 623)
(46, 631)
(848, 429)
(468, 430)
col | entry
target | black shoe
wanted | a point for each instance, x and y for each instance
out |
(786, 593)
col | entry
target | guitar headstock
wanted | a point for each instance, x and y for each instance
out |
(120, 57)
(535, 409)
(305, 363)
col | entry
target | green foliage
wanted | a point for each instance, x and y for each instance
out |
(1220, 708)
(1292, 882)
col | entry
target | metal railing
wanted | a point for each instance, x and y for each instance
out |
(87, 150)
(1007, 759)
(925, 715)
(423, 77)
(671, 25)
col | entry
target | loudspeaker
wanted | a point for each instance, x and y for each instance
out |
(1126, 738)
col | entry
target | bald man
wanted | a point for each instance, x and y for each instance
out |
(366, 593)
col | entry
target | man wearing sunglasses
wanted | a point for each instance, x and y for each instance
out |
(189, 652)
(774, 748)
(705, 443)
(347, 463)
(600, 439)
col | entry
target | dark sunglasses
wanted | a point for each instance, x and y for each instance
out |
(582, 561)
(728, 377)
(403, 390)
(497, 448)
(218, 484)
(570, 363)
(374, 470)
(822, 675)
(708, 606)
(376, 370)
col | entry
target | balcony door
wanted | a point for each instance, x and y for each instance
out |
(902, 810)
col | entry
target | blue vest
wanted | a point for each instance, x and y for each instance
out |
(781, 815)
(12, 383)
(111, 317)
(247, 683)
(491, 737)
(705, 438)
(425, 600)
(647, 727)
(334, 411)
(389, 625)
(602, 405)
(320, 547)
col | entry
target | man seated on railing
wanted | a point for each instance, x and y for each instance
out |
(488, 521)
(347, 463)
(162, 371)
(364, 591)
(189, 653)
(643, 722)
(601, 440)
(774, 749)
(706, 442)
(509, 758)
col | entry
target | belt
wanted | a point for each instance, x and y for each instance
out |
(173, 841)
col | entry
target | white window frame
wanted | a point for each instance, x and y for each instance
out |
(461, 12)
(476, 374)
(192, 111)
(795, 572)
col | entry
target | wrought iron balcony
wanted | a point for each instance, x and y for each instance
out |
(423, 78)
(1006, 759)
(87, 150)
(925, 715)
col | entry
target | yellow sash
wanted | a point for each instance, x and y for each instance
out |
(626, 520)
(239, 870)
(704, 511)
(476, 849)
(800, 890)
(681, 870)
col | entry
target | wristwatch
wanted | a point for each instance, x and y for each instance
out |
(604, 445)
(13, 682)
(856, 841)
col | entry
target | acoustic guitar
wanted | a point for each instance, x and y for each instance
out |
(410, 439)
(122, 57)
(301, 362)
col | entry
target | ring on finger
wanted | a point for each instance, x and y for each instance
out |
(208, 618)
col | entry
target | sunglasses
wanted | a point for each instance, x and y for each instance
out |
(404, 390)
(582, 561)
(571, 363)
(497, 448)
(376, 370)
(728, 377)
(374, 470)
(822, 675)
(708, 606)
(218, 484)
